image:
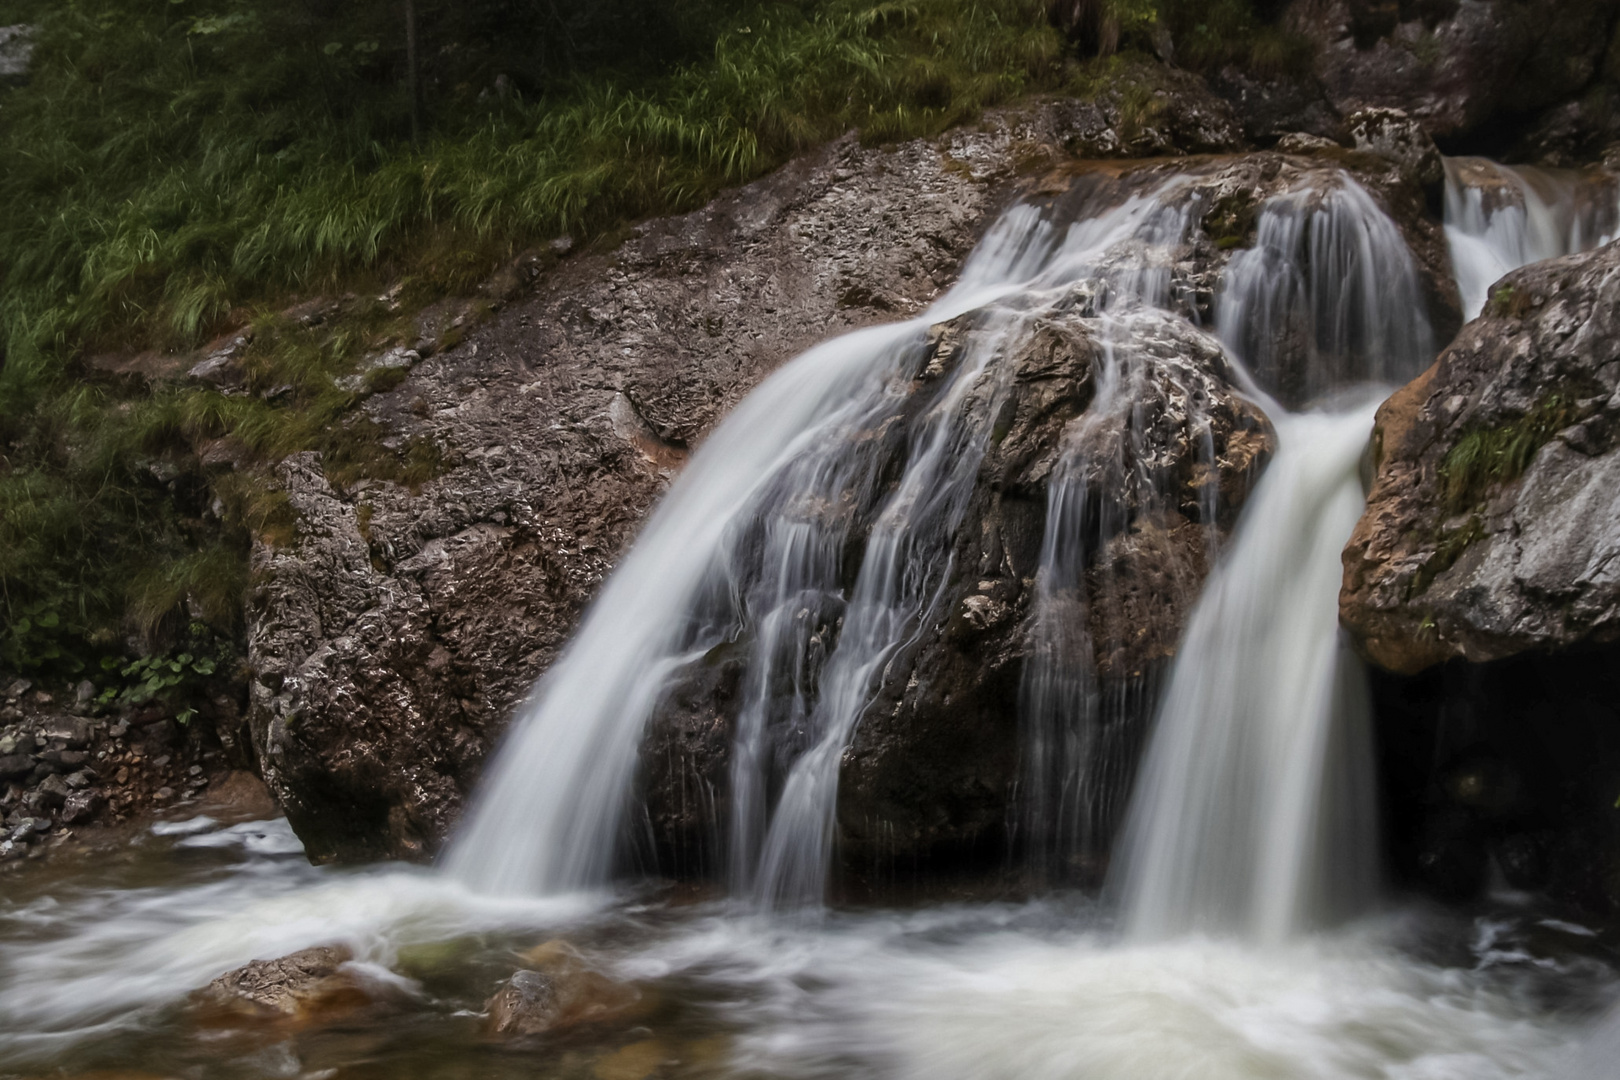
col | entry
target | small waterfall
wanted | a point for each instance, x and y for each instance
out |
(1253, 812)
(754, 542)
(1500, 218)
(1327, 297)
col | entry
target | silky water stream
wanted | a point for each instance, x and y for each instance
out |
(1241, 933)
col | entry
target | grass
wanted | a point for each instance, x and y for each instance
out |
(173, 170)
(1485, 458)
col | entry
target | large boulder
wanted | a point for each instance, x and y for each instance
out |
(1493, 525)
(1162, 467)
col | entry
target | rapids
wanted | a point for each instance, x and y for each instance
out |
(1243, 932)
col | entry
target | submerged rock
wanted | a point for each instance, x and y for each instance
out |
(304, 987)
(558, 990)
(1493, 524)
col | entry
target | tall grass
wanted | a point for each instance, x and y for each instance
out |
(176, 167)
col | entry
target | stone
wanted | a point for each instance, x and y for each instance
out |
(392, 638)
(51, 793)
(559, 990)
(16, 51)
(1391, 134)
(16, 766)
(76, 731)
(1479, 68)
(82, 806)
(305, 987)
(1493, 523)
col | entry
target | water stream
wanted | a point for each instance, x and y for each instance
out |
(1243, 933)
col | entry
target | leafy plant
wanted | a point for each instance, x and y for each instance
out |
(177, 679)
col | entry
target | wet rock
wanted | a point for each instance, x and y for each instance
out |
(51, 793)
(75, 731)
(394, 635)
(559, 990)
(222, 368)
(1493, 527)
(82, 806)
(1391, 134)
(304, 985)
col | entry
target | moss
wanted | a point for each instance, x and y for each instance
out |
(1486, 457)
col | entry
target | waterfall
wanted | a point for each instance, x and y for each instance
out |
(1499, 218)
(1321, 302)
(1253, 813)
(750, 542)
(1326, 298)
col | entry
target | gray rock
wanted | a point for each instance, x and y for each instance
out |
(1394, 136)
(1493, 524)
(16, 766)
(82, 806)
(1461, 68)
(393, 636)
(76, 731)
(288, 986)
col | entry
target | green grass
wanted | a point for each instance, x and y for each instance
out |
(174, 169)
(1485, 458)
(178, 168)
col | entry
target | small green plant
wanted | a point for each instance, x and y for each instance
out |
(177, 679)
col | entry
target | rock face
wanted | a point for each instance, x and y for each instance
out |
(305, 985)
(931, 775)
(1493, 524)
(1466, 69)
(391, 638)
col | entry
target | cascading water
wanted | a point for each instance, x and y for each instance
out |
(1253, 813)
(1325, 298)
(1500, 218)
(751, 541)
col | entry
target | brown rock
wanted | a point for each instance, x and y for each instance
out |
(303, 988)
(558, 990)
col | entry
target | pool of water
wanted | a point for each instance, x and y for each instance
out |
(101, 954)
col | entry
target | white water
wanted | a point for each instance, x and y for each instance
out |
(1329, 296)
(1253, 812)
(1500, 218)
(547, 818)
(1040, 991)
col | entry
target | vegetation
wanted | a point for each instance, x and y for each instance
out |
(177, 169)
(1486, 457)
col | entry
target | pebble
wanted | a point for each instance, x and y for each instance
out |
(195, 770)
(162, 761)
(164, 793)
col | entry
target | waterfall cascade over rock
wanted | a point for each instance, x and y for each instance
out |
(810, 542)
(1047, 576)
